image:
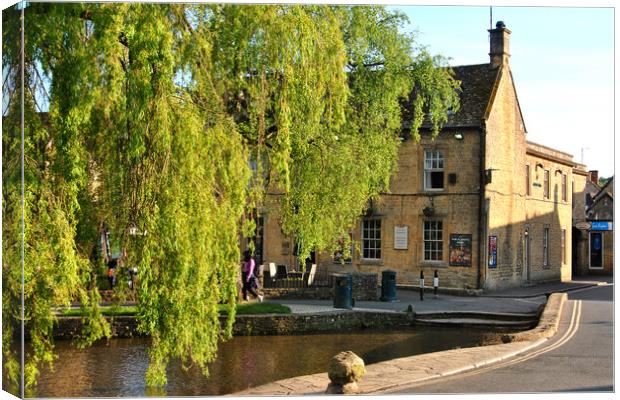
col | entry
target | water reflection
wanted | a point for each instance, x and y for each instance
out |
(117, 367)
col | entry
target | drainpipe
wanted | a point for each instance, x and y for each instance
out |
(481, 220)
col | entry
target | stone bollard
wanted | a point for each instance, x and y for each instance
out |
(345, 369)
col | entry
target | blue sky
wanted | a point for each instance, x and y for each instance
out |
(562, 60)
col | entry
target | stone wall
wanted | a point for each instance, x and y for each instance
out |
(553, 213)
(324, 322)
(121, 327)
(504, 207)
(309, 293)
(456, 206)
(268, 324)
(364, 288)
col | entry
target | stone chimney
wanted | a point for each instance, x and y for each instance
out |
(594, 176)
(500, 45)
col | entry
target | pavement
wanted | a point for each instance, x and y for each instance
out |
(408, 370)
(524, 300)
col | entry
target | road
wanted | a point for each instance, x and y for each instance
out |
(579, 358)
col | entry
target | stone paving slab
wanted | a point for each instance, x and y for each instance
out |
(444, 303)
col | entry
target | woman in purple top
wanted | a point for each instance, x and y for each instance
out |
(248, 278)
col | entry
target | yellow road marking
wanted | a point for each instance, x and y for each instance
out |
(570, 332)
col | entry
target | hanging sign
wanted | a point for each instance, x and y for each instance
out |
(601, 226)
(400, 237)
(460, 250)
(492, 251)
(583, 225)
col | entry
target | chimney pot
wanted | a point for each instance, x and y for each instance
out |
(500, 25)
(594, 176)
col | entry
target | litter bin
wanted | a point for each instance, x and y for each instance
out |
(388, 285)
(343, 291)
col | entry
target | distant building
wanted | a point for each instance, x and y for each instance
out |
(592, 225)
(479, 204)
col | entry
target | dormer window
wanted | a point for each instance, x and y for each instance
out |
(433, 170)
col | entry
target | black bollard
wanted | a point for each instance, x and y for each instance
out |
(421, 285)
(436, 283)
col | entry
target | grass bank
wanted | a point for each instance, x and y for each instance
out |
(247, 308)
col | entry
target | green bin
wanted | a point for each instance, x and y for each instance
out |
(388, 285)
(343, 291)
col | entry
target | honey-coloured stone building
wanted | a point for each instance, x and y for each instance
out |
(479, 204)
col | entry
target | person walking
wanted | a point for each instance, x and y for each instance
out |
(249, 280)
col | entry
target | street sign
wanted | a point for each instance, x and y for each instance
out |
(602, 226)
(583, 225)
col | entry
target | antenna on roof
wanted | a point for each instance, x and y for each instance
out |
(490, 17)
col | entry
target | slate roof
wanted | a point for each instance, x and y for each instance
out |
(477, 83)
(607, 189)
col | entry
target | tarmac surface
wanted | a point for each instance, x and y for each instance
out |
(394, 373)
(523, 300)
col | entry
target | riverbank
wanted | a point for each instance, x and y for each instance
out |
(518, 311)
(411, 370)
(323, 322)
(401, 372)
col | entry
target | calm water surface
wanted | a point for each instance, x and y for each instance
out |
(116, 367)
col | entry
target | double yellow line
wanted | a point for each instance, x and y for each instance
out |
(570, 332)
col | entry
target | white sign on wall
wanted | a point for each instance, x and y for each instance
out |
(400, 237)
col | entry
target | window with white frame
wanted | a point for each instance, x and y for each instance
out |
(433, 170)
(433, 240)
(546, 247)
(371, 239)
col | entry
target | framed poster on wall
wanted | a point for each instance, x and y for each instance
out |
(460, 250)
(492, 251)
(400, 237)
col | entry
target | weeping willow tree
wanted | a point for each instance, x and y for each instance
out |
(155, 114)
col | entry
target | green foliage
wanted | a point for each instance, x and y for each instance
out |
(259, 308)
(105, 311)
(156, 113)
(56, 271)
(223, 309)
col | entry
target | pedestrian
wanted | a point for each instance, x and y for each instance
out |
(249, 280)
(112, 273)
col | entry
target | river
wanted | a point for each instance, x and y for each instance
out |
(116, 367)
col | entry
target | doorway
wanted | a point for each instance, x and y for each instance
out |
(596, 250)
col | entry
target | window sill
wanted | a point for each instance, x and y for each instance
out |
(371, 261)
(438, 264)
